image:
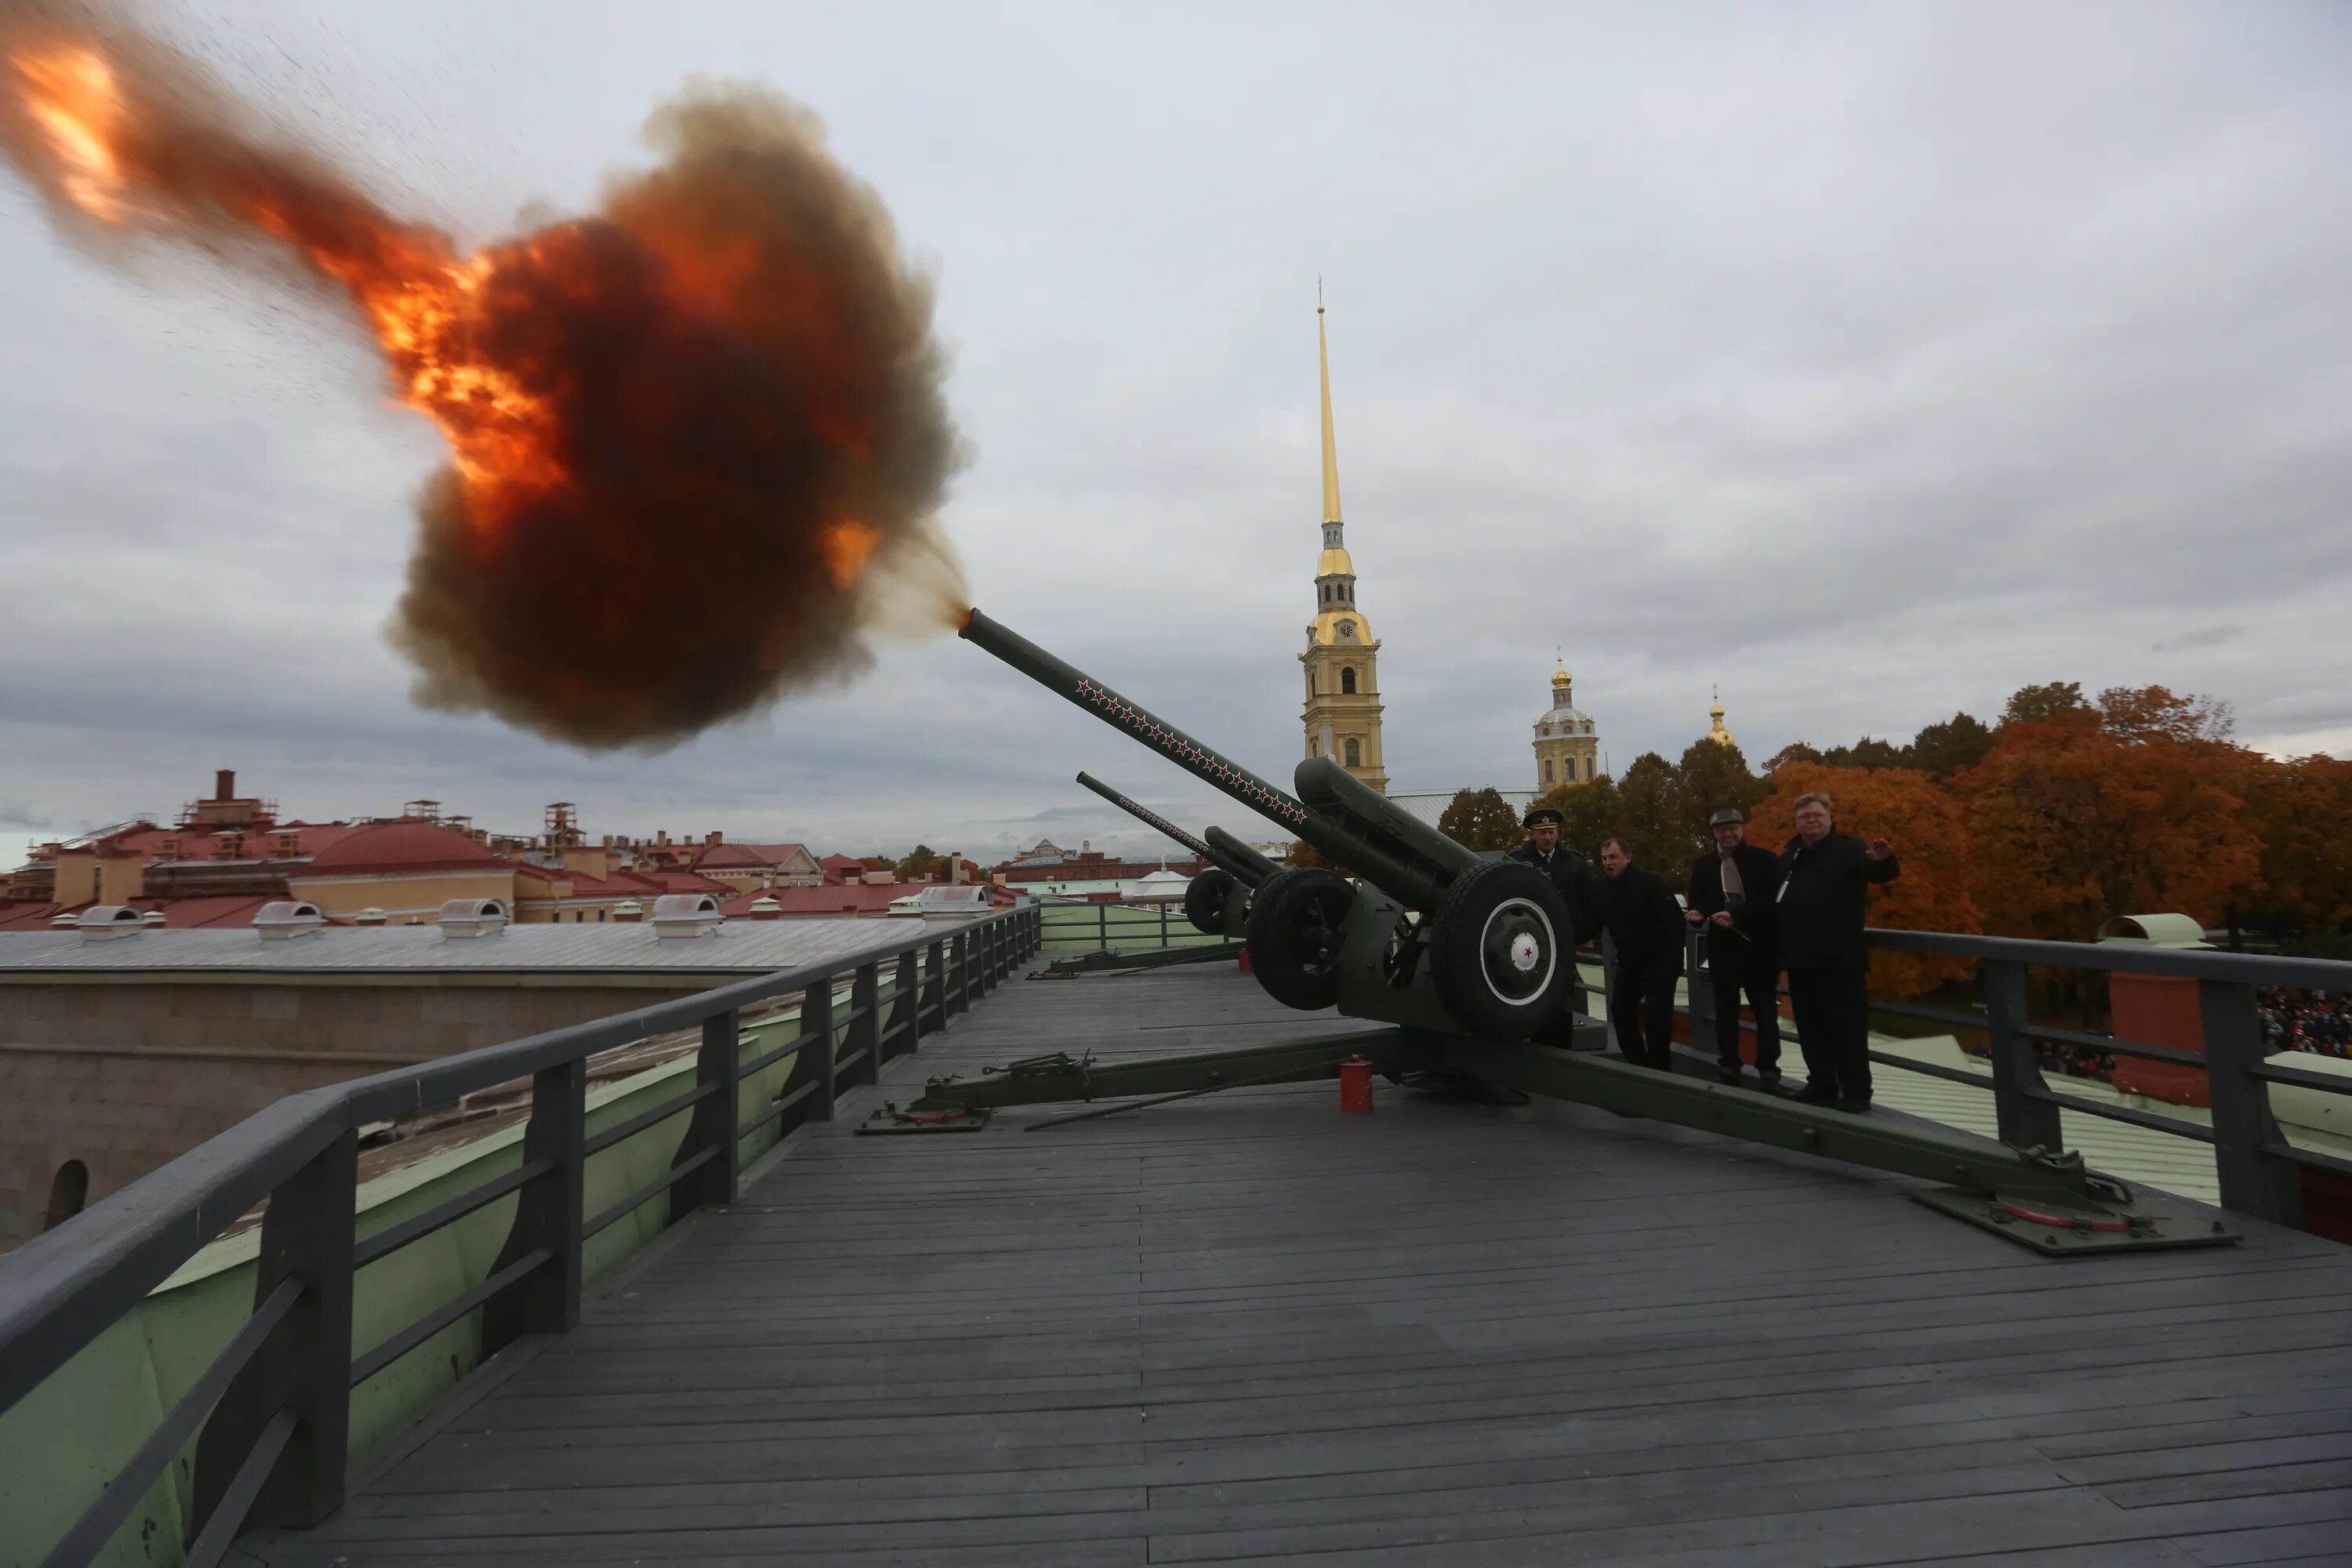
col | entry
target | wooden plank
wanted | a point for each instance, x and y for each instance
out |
(1248, 1328)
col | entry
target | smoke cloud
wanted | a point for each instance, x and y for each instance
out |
(697, 439)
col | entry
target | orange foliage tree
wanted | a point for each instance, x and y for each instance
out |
(1930, 834)
(2301, 812)
(2126, 809)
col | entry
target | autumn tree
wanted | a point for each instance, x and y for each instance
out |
(2301, 812)
(1481, 819)
(1930, 834)
(2033, 704)
(2075, 822)
(1942, 751)
(1870, 751)
(1794, 751)
(920, 862)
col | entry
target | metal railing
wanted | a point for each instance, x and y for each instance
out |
(270, 1413)
(1093, 926)
(2257, 1172)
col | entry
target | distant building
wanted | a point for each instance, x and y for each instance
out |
(1567, 749)
(1343, 715)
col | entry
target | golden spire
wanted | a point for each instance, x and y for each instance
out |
(1560, 676)
(1330, 447)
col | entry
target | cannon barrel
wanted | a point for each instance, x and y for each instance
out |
(1115, 711)
(1239, 859)
(1151, 818)
(1350, 824)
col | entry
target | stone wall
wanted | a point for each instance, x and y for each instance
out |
(124, 1077)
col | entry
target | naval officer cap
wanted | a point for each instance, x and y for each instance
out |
(1730, 815)
(1543, 817)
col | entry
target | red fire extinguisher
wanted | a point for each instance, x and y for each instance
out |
(1356, 1087)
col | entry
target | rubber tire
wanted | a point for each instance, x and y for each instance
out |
(1459, 936)
(1204, 899)
(1295, 920)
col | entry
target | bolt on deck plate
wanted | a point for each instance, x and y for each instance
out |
(2055, 1228)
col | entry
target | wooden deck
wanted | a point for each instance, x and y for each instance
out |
(1248, 1329)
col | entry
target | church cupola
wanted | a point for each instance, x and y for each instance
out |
(1567, 749)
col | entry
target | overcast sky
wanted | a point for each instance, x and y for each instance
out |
(1870, 361)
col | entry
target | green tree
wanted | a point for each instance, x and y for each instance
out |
(1650, 815)
(1954, 746)
(1710, 777)
(1592, 812)
(1481, 819)
(1870, 751)
(2033, 704)
(1794, 751)
(921, 862)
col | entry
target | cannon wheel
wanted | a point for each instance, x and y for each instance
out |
(1293, 935)
(1498, 951)
(1204, 899)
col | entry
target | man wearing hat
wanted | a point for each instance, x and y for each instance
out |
(1579, 889)
(1731, 889)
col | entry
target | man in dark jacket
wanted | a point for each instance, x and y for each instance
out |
(1731, 889)
(1580, 890)
(1647, 925)
(1825, 879)
(1570, 872)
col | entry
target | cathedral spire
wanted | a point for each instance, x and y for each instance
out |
(1330, 447)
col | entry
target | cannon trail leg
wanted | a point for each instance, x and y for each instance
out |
(2052, 1204)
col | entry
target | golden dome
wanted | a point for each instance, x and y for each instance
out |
(1560, 678)
(1334, 563)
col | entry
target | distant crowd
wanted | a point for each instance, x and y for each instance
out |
(2307, 1021)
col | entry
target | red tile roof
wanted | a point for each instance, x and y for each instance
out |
(404, 844)
(832, 900)
(200, 909)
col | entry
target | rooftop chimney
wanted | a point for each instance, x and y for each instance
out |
(224, 784)
(766, 908)
(369, 916)
(628, 909)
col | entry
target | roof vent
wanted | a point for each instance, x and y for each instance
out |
(369, 916)
(64, 921)
(108, 922)
(687, 914)
(152, 918)
(628, 909)
(764, 908)
(468, 918)
(287, 918)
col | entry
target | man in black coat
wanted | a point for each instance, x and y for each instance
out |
(1580, 890)
(1825, 878)
(1570, 872)
(1646, 924)
(1731, 889)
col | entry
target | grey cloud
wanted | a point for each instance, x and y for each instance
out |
(2209, 637)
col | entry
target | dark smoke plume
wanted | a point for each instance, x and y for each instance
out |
(698, 438)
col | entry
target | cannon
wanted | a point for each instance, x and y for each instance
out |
(1217, 901)
(1467, 958)
(1432, 935)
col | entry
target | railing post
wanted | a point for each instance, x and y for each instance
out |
(2024, 1120)
(959, 973)
(905, 1004)
(866, 1018)
(816, 1035)
(305, 1366)
(935, 983)
(2252, 1180)
(547, 1213)
(712, 1123)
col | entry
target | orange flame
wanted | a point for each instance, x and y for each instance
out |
(727, 374)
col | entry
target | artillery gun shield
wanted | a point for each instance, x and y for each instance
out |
(1295, 935)
(1498, 951)
(1204, 899)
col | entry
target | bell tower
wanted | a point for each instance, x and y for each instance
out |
(1566, 750)
(1343, 690)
